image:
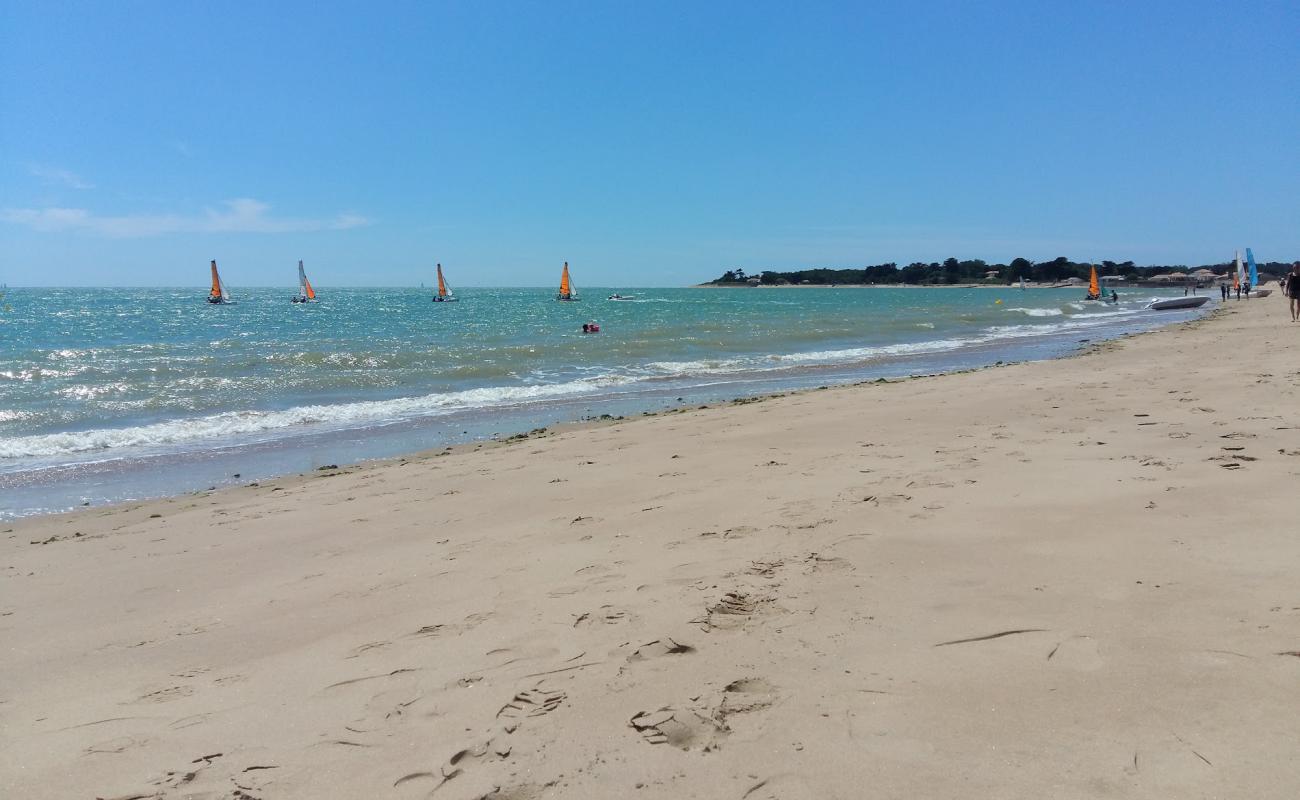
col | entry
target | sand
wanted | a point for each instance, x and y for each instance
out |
(1075, 578)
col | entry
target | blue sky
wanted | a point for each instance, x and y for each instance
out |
(645, 143)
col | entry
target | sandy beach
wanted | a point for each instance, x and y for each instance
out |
(1074, 578)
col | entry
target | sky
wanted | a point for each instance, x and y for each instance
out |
(647, 144)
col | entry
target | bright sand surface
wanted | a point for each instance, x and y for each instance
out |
(1077, 578)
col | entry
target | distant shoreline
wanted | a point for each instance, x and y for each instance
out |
(883, 286)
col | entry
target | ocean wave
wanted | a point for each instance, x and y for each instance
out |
(246, 424)
(779, 361)
(1039, 312)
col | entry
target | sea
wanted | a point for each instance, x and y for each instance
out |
(117, 394)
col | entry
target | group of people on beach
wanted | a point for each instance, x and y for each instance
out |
(1241, 288)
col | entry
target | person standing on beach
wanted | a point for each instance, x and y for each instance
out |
(1223, 290)
(1291, 288)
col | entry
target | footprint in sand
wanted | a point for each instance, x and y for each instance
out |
(744, 696)
(731, 611)
(816, 563)
(527, 704)
(534, 702)
(703, 728)
(659, 648)
(605, 615)
(112, 746)
(684, 729)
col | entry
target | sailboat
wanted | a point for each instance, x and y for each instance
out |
(568, 291)
(1022, 283)
(218, 295)
(1253, 283)
(306, 294)
(1094, 287)
(445, 294)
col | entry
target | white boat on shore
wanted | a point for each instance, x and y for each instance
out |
(1171, 303)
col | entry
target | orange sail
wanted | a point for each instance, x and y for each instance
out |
(311, 293)
(1094, 289)
(442, 284)
(565, 294)
(215, 293)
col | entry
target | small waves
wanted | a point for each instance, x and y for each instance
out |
(198, 384)
(1038, 312)
(241, 426)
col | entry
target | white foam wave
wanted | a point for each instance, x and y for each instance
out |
(1039, 312)
(777, 361)
(243, 424)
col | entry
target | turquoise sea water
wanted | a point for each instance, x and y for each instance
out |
(108, 394)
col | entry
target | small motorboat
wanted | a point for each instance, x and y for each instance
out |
(617, 296)
(1172, 303)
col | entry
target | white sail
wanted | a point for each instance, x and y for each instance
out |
(302, 281)
(1241, 272)
(225, 296)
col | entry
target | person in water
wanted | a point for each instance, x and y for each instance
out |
(1114, 296)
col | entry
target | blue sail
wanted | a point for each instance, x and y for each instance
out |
(1254, 273)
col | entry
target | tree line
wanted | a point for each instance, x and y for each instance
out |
(974, 271)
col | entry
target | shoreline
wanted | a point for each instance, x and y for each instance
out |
(102, 482)
(934, 587)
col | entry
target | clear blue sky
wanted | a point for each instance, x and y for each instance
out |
(646, 143)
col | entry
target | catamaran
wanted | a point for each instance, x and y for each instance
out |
(1254, 277)
(445, 294)
(1094, 287)
(218, 295)
(568, 291)
(1174, 303)
(306, 294)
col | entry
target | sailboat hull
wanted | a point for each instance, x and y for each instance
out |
(446, 299)
(1169, 304)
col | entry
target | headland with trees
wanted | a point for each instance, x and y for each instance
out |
(977, 271)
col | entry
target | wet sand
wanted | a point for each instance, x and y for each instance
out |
(1074, 578)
